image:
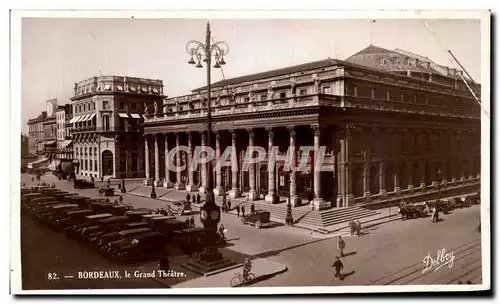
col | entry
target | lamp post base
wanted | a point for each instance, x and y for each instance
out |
(179, 186)
(168, 184)
(219, 191)
(272, 198)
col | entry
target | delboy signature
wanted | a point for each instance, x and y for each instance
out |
(442, 259)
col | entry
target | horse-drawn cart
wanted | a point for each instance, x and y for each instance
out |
(409, 211)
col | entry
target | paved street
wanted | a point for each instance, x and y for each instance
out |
(387, 254)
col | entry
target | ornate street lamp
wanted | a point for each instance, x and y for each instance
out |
(198, 52)
(123, 186)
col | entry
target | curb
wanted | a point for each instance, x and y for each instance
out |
(262, 278)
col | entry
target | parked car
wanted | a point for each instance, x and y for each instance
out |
(82, 184)
(258, 218)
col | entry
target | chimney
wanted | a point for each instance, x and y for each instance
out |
(428, 65)
(416, 62)
(447, 70)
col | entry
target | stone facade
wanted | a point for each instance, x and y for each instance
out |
(387, 133)
(106, 124)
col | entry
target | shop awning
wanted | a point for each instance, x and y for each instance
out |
(85, 118)
(123, 115)
(91, 116)
(74, 119)
(66, 143)
(38, 163)
(53, 165)
(135, 115)
(79, 118)
(51, 142)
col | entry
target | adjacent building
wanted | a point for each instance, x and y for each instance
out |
(36, 135)
(64, 142)
(393, 122)
(106, 124)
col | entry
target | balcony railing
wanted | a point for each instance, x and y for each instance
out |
(312, 100)
(104, 130)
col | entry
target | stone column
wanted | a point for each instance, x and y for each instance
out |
(397, 172)
(179, 185)
(294, 198)
(366, 181)
(349, 197)
(410, 176)
(270, 197)
(319, 202)
(190, 186)
(423, 185)
(157, 162)
(203, 167)
(219, 190)
(167, 183)
(252, 195)
(146, 160)
(381, 176)
(235, 192)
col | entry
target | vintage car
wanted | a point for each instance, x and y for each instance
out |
(141, 246)
(474, 199)
(440, 205)
(39, 204)
(76, 231)
(409, 211)
(166, 225)
(106, 191)
(82, 184)
(123, 237)
(121, 209)
(136, 214)
(72, 218)
(56, 212)
(107, 225)
(82, 201)
(258, 218)
(26, 199)
(191, 240)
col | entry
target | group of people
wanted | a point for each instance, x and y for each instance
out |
(355, 227)
(189, 221)
(226, 206)
(337, 264)
(240, 209)
(195, 199)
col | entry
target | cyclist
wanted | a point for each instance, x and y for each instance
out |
(246, 269)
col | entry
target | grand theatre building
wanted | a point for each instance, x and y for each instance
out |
(393, 123)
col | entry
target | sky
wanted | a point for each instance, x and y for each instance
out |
(57, 52)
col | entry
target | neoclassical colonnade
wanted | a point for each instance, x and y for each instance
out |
(250, 137)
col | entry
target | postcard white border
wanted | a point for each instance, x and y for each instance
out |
(15, 111)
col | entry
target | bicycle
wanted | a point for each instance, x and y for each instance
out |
(238, 278)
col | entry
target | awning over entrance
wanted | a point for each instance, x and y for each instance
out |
(135, 115)
(38, 163)
(66, 143)
(123, 115)
(49, 143)
(74, 119)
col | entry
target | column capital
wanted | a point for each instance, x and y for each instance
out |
(292, 131)
(269, 130)
(217, 135)
(190, 136)
(233, 134)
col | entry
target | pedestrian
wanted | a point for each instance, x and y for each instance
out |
(352, 226)
(242, 210)
(228, 205)
(224, 207)
(338, 265)
(188, 197)
(252, 208)
(358, 228)
(102, 179)
(341, 246)
(311, 204)
(198, 198)
(238, 210)
(120, 198)
(187, 222)
(191, 221)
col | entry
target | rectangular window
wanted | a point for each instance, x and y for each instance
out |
(372, 93)
(303, 92)
(95, 164)
(388, 95)
(326, 90)
(105, 105)
(282, 94)
(355, 91)
(414, 98)
(247, 99)
(263, 97)
(90, 163)
(122, 105)
(402, 97)
(133, 106)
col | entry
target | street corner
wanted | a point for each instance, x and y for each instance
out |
(262, 269)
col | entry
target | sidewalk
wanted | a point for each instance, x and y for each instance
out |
(262, 268)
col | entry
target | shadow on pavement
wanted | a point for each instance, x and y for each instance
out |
(350, 253)
(345, 275)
